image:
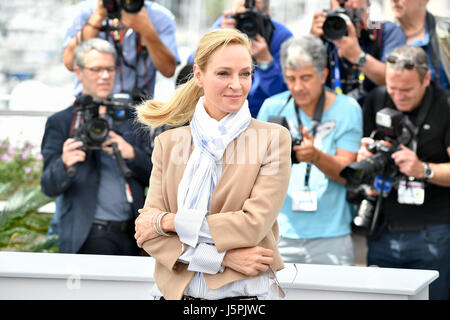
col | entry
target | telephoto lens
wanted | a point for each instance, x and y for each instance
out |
(97, 130)
(364, 215)
(335, 26)
(132, 6)
(113, 7)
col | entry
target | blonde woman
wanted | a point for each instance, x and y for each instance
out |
(217, 185)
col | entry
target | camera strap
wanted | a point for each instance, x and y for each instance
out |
(116, 33)
(422, 113)
(421, 116)
(336, 72)
(142, 52)
(317, 118)
(76, 120)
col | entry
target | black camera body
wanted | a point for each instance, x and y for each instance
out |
(335, 25)
(113, 7)
(381, 163)
(370, 180)
(253, 22)
(92, 129)
(295, 135)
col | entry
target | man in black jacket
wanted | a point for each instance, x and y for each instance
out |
(415, 219)
(98, 201)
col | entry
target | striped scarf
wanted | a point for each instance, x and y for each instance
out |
(210, 138)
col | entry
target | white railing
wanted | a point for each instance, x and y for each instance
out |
(76, 276)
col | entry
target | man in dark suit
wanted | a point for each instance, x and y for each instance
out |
(98, 202)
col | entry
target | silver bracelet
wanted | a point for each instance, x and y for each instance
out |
(159, 229)
(155, 224)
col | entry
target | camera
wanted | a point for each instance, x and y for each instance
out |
(335, 25)
(93, 129)
(90, 127)
(113, 7)
(295, 134)
(370, 180)
(253, 22)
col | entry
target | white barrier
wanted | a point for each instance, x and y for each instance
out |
(76, 276)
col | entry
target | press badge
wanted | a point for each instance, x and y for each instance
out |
(304, 201)
(411, 192)
(128, 193)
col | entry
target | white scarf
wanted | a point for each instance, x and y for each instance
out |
(210, 138)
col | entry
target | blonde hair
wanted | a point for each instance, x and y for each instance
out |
(180, 108)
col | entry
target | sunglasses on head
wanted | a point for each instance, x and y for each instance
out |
(406, 63)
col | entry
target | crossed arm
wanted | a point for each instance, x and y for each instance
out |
(249, 261)
(242, 252)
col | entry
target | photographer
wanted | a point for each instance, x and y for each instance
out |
(315, 217)
(98, 203)
(357, 59)
(414, 227)
(267, 78)
(422, 29)
(144, 41)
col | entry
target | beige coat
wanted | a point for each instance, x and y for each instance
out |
(244, 205)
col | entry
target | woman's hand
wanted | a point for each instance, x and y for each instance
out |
(147, 221)
(249, 261)
(145, 225)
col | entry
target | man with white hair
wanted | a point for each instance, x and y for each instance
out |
(315, 218)
(97, 204)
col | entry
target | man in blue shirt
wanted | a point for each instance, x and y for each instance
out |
(145, 43)
(97, 204)
(267, 78)
(357, 61)
(419, 27)
(315, 218)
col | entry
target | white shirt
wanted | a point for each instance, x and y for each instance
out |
(201, 255)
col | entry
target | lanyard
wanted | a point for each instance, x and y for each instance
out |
(357, 75)
(337, 73)
(317, 117)
(118, 38)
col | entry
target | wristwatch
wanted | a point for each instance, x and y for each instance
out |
(428, 173)
(362, 60)
(264, 65)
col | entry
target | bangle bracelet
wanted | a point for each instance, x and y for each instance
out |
(159, 229)
(79, 37)
(155, 225)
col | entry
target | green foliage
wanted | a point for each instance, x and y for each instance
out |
(22, 228)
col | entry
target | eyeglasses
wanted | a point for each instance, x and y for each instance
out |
(406, 63)
(100, 70)
(276, 285)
